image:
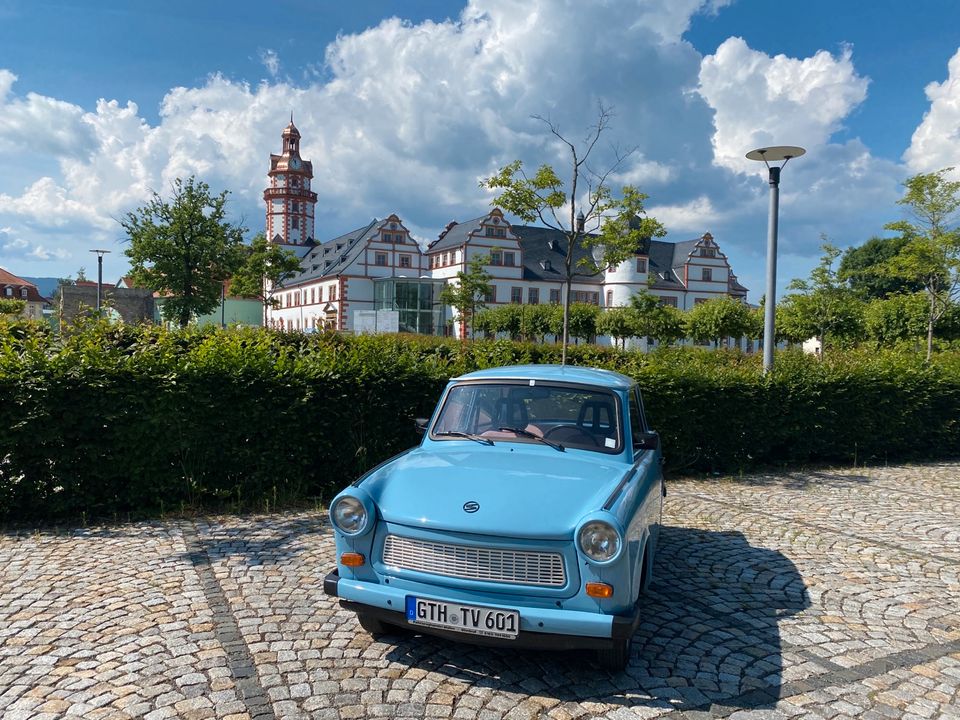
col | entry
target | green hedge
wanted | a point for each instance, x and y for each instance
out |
(110, 421)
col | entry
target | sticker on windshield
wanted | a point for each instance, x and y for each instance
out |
(609, 442)
(532, 383)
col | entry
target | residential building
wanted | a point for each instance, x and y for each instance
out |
(16, 288)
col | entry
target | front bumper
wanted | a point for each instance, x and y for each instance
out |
(540, 628)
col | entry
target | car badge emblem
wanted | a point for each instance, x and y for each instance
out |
(471, 507)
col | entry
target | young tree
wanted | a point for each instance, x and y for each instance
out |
(718, 319)
(81, 276)
(898, 317)
(823, 306)
(657, 321)
(184, 248)
(619, 323)
(467, 294)
(931, 255)
(600, 230)
(265, 265)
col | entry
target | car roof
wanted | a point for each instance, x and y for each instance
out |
(553, 373)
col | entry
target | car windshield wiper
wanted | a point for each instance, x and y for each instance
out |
(468, 436)
(528, 434)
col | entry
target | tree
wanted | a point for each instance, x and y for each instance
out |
(265, 265)
(823, 307)
(467, 294)
(863, 268)
(619, 323)
(720, 318)
(12, 307)
(931, 256)
(184, 248)
(657, 321)
(898, 317)
(81, 275)
(597, 222)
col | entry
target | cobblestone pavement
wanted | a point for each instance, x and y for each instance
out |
(822, 595)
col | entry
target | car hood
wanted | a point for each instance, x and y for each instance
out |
(522, 490)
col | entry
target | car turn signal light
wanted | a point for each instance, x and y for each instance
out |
(351, 559)
(599, 590)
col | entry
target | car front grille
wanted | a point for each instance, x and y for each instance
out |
(516, 567)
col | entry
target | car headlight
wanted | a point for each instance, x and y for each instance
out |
(599, 540)
(349, 515)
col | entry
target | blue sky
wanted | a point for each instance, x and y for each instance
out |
(102, 102)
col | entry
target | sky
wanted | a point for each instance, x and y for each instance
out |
(405, 107)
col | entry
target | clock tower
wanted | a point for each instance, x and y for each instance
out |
(290, 202)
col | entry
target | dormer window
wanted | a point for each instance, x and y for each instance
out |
(708, 252)
(546, 265)
(23, 293)
(489, 232)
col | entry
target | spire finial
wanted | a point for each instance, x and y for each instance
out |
(291, 117)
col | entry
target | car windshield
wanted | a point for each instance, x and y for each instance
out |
(564, 416)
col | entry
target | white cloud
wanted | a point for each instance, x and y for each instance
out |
(696, 216)
(760, 100)
(936, 142)
(271, 61)
(14, 247)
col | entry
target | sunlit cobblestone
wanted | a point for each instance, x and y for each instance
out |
(828, 594)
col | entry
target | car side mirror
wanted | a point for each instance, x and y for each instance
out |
(648, 440)
(420, 424)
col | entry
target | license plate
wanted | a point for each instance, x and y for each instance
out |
(470, 619)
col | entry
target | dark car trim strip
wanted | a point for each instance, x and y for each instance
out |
(529, 640)
(620, 486)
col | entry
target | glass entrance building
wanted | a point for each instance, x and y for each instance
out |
(415, 299)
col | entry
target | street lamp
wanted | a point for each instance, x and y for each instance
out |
(100, 254)
(768, 155)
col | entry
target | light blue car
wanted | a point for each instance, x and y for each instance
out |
(527, 516)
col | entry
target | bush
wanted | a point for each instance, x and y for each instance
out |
(111, 420)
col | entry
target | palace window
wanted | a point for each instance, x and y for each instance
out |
(708, 252)
(295, 206)
(609, 298)
(380, 259)
(500, 232)
(509, 259)
(554, 296)
(496, 257)
(489, 232)
(586, 296)
(516, 295)
(533, 296)
(641, 265)
(491, 295)
(666, 300)
(295, 222)
(404, 261)
(707, 274)
(699, 301)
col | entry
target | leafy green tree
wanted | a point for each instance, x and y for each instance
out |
(864, 269)
(582, 321)
(657, 321)
(931, 256)
(184, 248)
(896, 318)
(619, 323)
(599, 229)
(81, 276)
(466, 295)
(719, 319)
(265, 265)
(823, 306)
(12, 307)
(537, 320)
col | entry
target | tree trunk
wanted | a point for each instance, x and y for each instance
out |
(566, 318)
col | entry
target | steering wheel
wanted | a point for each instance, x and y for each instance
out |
(571, 434)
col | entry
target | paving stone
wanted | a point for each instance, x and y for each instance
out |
(821, 594)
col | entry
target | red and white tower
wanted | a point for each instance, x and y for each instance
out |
(290, 202)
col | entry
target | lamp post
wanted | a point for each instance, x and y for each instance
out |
(768, 155)
(100, 254)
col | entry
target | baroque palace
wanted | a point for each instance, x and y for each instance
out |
(378, 278)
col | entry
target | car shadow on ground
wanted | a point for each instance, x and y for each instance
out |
(709, 636)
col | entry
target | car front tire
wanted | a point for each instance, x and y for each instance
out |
(371, 624)
(615, 657)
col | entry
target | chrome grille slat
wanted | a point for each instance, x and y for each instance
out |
(517, 567)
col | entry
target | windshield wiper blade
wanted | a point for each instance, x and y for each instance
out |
(468, 436)
(528, 434)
